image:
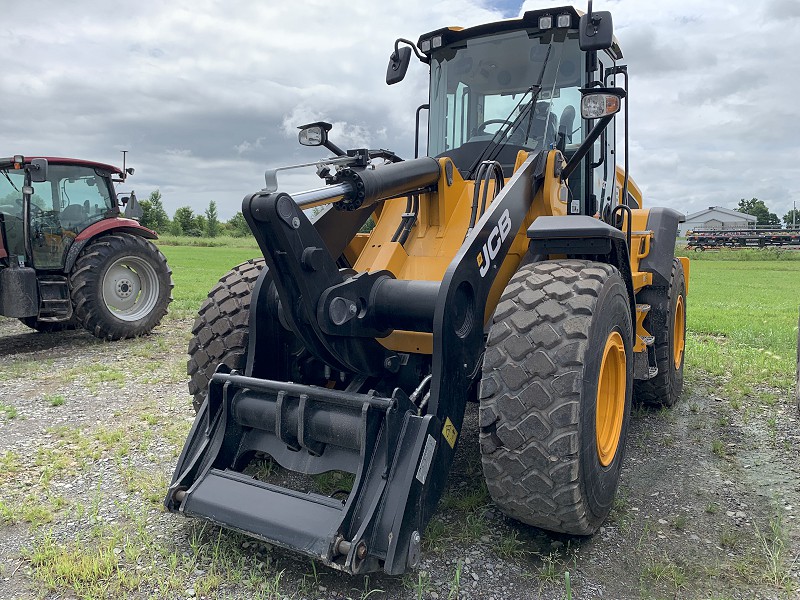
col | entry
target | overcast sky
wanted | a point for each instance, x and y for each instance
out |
(206, 94)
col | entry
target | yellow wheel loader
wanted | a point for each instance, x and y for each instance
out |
(514, 265)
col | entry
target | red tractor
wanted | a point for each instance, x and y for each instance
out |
(69, 258)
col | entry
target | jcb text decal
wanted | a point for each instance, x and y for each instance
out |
(494, 242)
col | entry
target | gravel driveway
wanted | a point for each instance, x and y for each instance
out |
(90, 431)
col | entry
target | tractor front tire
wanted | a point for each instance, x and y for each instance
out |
(121, 286)
(555, 394)
(666, 321)
(221, 333)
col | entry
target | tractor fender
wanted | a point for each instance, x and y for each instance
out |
(105, 226)
(663, 222)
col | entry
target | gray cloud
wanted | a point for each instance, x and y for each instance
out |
(205, 95)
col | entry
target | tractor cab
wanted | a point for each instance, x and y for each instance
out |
(73, 196)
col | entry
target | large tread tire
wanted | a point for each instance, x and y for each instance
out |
(127, 265)
(51, 326)
(221, 333)
(667, 317)
(539, 394)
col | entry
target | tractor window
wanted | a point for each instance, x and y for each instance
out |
(483, 86)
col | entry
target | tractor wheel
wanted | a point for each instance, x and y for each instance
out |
(221, 330)
(556, 394)
(51, 326)
(666, 321)
(121, 286)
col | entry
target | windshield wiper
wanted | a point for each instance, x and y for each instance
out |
(492, 149)
(5, 174)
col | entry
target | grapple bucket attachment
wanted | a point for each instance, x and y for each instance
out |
(381, 441)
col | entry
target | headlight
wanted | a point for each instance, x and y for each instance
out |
(594, 106)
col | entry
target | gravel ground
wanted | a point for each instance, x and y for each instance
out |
(90, 431)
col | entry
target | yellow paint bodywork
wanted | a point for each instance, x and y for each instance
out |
(441, 228)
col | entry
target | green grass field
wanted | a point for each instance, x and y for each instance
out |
(195, 270)
(742, 320)
(742, 306)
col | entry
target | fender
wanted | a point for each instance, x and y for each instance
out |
(106, 225)
(663, 222)
(583, 236)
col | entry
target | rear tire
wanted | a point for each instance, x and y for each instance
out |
(121, 286)
(666, 321)
(221, 333)
(556, 394)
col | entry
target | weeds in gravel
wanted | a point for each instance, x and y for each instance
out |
(728, 538)
(419, 583)
(510, 547)
(54, 399)
(455, 582)
(773, 544)
(718, 448)
(663, 570)
(9, 411)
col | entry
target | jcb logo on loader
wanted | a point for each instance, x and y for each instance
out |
(492, 245)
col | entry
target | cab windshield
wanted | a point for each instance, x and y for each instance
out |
(481, 93)
(72, 198)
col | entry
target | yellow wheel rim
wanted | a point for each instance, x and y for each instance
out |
(679, 333)
(610, 399)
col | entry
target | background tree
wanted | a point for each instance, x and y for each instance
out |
(212, 220)
(237, 226)
(758, 209)
(157, 219)
(185, 223)
(787, 218)
(147, 214)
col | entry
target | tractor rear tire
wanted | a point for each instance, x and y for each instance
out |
(121, 286)
(221, 333)
(51, 326)
(666, 321)
(555, 394)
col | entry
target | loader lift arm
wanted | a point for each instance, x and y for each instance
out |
(400, 458)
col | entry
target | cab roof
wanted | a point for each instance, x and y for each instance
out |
(529, 20)
(56, 160)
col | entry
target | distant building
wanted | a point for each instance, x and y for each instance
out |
(717, 217)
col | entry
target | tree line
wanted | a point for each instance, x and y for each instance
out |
(186, 222)
(207, 224)
(766, 218)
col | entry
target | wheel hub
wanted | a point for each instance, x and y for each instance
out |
(124, 288)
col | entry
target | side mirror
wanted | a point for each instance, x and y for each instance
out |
(314, 134)
(596, 31)
(398, 65)
(600, 102)
(38, 170)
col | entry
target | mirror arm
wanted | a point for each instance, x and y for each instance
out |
(413, 46)
(583, 149)
(334, 148)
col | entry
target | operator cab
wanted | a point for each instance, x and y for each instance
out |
(516, 85)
